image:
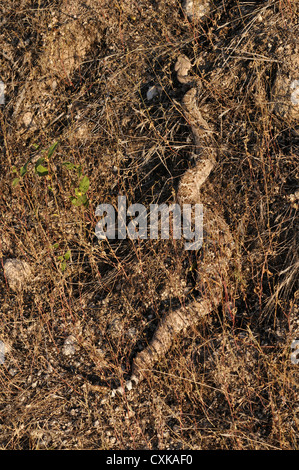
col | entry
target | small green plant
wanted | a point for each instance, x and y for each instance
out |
(39, 167)
(80, 197)
(63, 258)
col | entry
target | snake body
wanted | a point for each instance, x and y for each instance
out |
(216, 252)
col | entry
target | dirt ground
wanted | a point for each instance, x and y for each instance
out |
(92, 110)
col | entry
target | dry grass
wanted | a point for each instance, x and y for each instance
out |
(79, 75)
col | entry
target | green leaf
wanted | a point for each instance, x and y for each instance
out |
(84, 185)
(67, 255)
(63, 266)
(83, 199)
(15, 182)
(56, 245)
(41, 170)
(23, 170)
(52, 149)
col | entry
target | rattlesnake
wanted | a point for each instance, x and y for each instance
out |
(216, 252)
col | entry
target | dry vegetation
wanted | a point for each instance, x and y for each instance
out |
(79, 75)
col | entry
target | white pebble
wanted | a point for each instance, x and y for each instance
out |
(295, 94)
(152, 92)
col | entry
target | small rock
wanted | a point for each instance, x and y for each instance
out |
(54, 85)
(28, 118)
(5, 349)
(129, 385)
(152, 92)
(17, 273)
(294, 87)
(196, 9)
(2, 89)
(70, 346)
